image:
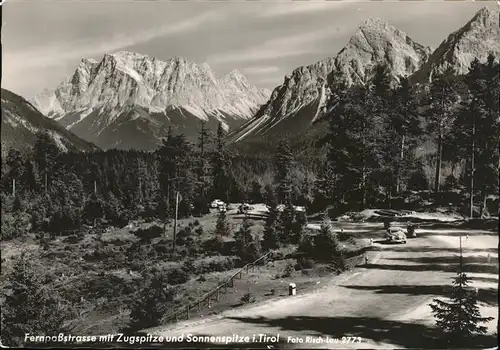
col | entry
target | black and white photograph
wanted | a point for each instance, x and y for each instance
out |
(250, 174)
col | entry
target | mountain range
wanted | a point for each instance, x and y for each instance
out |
(129, 100)
(304, 95)
(21, 121)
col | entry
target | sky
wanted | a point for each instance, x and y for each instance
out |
(43, 41)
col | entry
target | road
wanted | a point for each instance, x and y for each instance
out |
(385, 304)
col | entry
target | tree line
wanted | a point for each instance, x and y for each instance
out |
(377, 129)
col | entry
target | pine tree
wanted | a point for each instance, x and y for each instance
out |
(328, 246)
(299, 227)
(287, 223)
(45, 152)
(476, 130)
(269, 196)
(94, 209)
(31, 306)
(443, 94)
(324, 187)
(152, 302)
(202, 170)
(459, 318)
(284, 161)
(271, 238)
(353, 142)
(15, 164)
(405, 121)
(221, 172)
(247, 247)
(222, 228)
(176, 175)
(243, 236)
(256, 192)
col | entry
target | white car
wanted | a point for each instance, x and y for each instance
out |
(216, 203)
(396, 234)
(300, 209)
(281, 208)
(244, 208)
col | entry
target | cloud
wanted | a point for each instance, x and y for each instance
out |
(58, 53)
(289, 46)
(261, 70)
(301, 8)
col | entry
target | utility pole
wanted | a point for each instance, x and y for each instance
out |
(175, 220)
(139, 173)
(472, 166)
(13, 187)
(45, 173)
(95, 187)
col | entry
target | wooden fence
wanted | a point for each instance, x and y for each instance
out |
(183, 312)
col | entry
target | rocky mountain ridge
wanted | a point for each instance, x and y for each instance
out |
(306, 94)
(21, 121)
(476, 39)
(127, 87)
(309, 88)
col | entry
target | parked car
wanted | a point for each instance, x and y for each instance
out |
(216, 202)
(244, 208)
(281, 208)
(300, 209)
(396, 235)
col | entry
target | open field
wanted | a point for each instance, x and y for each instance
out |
(384, 302)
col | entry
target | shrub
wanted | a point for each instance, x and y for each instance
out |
(153, 231)
(307, 246)
(222, 226)
(31, 305)
(183, 235)
(214, 245)
(72, 239)
(289, 269)
(177, 276)
(201, 279)
(189, 266)
(304, 263)
(220, 265)
(247, 298)
(152, 303)
(418, 181)
(16, 225)
(247, 247)
(162, 247)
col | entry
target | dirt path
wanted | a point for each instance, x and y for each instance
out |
(383, 303)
